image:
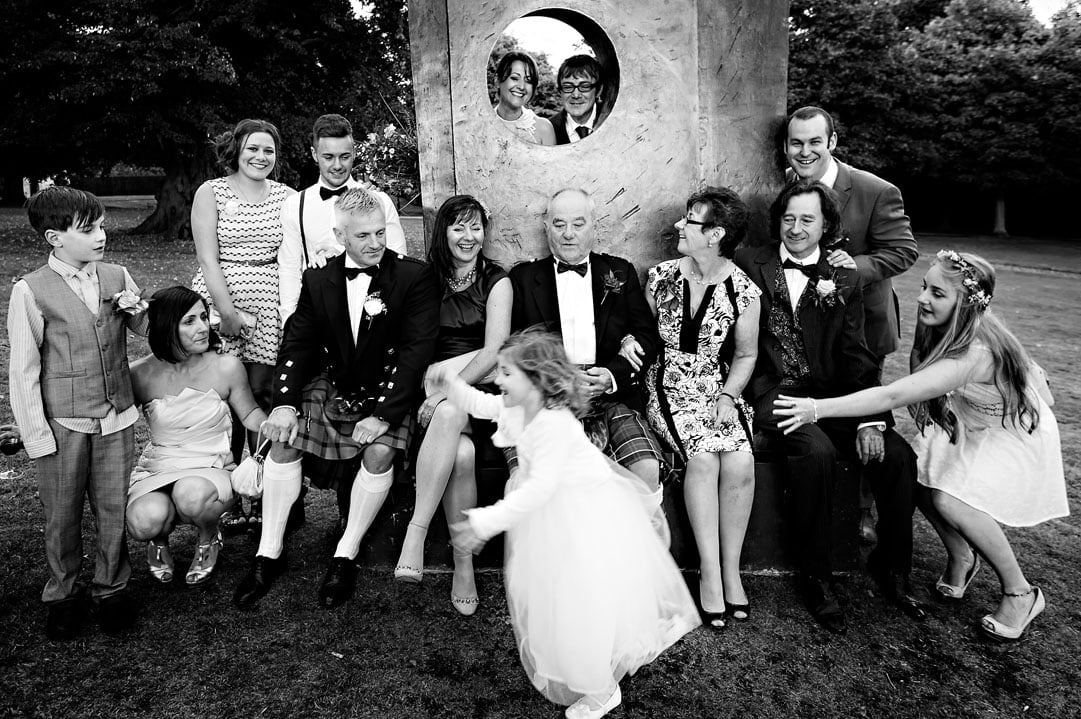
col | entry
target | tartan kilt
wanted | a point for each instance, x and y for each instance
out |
(332, 457)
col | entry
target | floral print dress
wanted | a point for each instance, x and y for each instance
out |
(687, 379)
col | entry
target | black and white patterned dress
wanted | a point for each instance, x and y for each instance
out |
(686, 380)
(249, 235)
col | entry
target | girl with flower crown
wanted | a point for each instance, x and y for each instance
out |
(989, 446)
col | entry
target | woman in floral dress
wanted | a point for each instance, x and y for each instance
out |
(707, 314)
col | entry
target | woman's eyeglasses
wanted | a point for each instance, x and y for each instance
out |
(688, 221)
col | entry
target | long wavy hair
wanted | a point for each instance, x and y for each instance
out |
(541, 357)
(969, 323)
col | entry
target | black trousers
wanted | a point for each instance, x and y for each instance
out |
(812, 452)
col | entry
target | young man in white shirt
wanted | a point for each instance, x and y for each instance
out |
(308, 216)
(581, 85)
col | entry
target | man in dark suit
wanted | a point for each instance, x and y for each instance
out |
(595, 302)
(348, 377)
(880, 242)
(580, 81)
(811, 344)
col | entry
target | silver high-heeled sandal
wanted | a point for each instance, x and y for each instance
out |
(160, 561)
(953, 593)
(206, 557)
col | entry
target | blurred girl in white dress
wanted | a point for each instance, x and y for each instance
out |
(593, 592)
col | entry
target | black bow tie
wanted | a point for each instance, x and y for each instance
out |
(326, 194)
(808, 270)
(581, 269)
(582, 131)
(352, 272)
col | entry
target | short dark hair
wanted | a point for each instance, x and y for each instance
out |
(457, 209)
(167, 307)
(228, 144)
(62, 208)
(808, 112)
(725, 209)
(581, 65)
(832, 229)
(502, 71)
(330, 125)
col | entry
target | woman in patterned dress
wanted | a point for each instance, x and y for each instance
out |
(474, 321)
(707, 315)
(237, 228)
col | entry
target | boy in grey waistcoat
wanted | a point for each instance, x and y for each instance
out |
(72, 399)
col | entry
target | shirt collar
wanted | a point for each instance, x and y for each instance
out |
(66, 271)
(812, 259)
(830, 176)
(586, 262)
(572, 123)
(350, 183)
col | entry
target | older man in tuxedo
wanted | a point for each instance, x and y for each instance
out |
(348, 377)
(811, 344)
(595, 302)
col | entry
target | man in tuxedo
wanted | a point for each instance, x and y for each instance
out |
(580, 81)
(595, 302)
(308, 216)
(348, 376)
(811, 344)
(880, 242)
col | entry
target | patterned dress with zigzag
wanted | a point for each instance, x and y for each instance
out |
(249, 235)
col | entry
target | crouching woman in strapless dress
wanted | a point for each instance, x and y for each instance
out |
(185, 390)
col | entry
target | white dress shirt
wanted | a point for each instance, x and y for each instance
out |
(26, 332)
(319, 233)
(796, 280)
(576, 316)
(356, 291)
(572, 126)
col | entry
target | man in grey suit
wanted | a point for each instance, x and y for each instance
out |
(880, 242)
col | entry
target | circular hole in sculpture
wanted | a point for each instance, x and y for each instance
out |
(553, 77)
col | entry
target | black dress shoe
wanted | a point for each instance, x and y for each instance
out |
(65, 619)
(338, 583)
(116, 613)
(897, 589)
(257, 582)
(823, 604)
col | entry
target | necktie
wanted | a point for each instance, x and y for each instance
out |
(87, 291)
(581, 269)
(810, 271)
(351, 273)
(326, 194)
(582, 131)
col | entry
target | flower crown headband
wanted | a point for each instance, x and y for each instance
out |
(976, 294)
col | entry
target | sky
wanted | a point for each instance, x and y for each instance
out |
(1044, 9)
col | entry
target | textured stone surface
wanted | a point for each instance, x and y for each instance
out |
(702, 93)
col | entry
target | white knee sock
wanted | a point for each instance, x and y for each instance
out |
(368, 494)
(281, 487)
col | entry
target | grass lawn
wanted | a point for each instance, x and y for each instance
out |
(402, 651)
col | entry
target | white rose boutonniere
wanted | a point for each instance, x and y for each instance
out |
(373, 307)
(129, 302)
(827, 294)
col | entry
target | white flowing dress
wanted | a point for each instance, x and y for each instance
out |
(593, 593)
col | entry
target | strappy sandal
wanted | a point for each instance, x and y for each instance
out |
(1005, 633)
(160, 561)
(206, 558)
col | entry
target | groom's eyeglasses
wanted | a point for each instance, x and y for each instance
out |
(583, 87)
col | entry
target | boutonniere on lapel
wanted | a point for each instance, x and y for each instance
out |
(613, 284)
(827, 286)
(374, 306)
(129, 302)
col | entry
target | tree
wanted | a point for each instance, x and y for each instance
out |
(978, 68)
(151, 81)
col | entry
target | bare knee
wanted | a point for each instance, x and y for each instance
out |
(702, 467)
(648, 470)
(193, 496)
(737, 470)
(149, 516)
(378, 458)
(448, 417)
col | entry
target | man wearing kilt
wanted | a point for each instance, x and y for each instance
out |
(348, 377)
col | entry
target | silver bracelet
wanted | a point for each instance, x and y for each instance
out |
(814, 406)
